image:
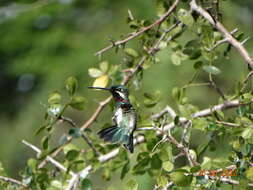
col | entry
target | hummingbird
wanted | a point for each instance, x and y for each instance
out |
(124, 118)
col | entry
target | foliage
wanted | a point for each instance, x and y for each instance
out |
(170, 155)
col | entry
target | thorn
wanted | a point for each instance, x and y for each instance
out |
(245, 40)
(234, 31)
(130, 14)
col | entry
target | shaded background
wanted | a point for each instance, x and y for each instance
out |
(44, 42)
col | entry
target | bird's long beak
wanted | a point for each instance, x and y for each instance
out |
(100, 88)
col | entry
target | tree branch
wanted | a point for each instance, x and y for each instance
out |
(141, 31)
(48, 158)
(227, 35)
(14, 181)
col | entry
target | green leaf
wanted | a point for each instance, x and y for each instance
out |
(56, 184)
(131, 52)
(211, 69)
(54, 98)
(185, 17)
(168, 166)
(198, 65)
(192, 49)
(72, 155)
(78, 102)
(162, 180)
(246, 98)
(124, 170)
(86, 184)
(75, 132)
(149, 103)
(175, 58)
(42, 128)
(69, 147)
(103, 66)
(143, 161)
(195, 169)
(94, 72)
(32, 164)
(156, 162)
(132, 185)
(176, 120)
(180, 179)
(161, 7)
(71, 85)
(247, 133)
(45, 142)
(202, 147)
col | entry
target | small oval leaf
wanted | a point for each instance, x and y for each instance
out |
(71, 85)
(103, 66)
(77, 102)
(94, 72)
(86, 184)
(54, 98)
(211, 69)
(72, 155)
(131, 52)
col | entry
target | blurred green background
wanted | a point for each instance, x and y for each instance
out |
(44, 42)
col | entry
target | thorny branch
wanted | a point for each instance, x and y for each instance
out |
(227, 35)
(141, 31)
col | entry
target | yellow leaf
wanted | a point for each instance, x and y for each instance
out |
(101, 81)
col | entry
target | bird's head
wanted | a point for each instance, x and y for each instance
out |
(120, 92)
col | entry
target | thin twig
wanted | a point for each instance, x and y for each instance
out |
(234, 42)
(14, 181)
(141, 31)
(85, 138)
(196, 84)
(248, 77)
(168, 110)
(88, 141)
(227, 123)
(48, 158)
(214, 85)
(220, 42)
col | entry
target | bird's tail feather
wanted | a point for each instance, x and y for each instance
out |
(118, 134)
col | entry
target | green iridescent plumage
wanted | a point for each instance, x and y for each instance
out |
(124, 118)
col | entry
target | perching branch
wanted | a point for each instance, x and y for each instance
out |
(227, 35)
(141, 31)
(14, 181)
